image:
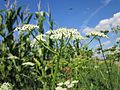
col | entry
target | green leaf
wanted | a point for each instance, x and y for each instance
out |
(37, 62)
(2, 11)
(18, 11)
(1, 19)
(29, 18)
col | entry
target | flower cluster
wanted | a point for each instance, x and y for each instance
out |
(26, 27)
(97, 33)
(6, 86)
(64, 33)
(67, 84)
(117, 51)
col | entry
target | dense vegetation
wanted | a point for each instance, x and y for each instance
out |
(60, 59)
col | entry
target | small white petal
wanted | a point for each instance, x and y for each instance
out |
(60, 84)
(70, 85)
(60, 88)
(75, 81)
(28, 63)
(67, 82)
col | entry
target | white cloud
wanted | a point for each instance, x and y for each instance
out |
(116, 19)
(86, 21)
(103, 25)
(106, 24)
(88, 29)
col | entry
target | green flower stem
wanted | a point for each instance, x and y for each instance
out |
(109, 78)
(43, 44)
(55, 73)
(89, 42)
(20, 39)
(57, 65)
(67, 42)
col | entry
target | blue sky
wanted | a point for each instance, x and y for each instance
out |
(88, 12)
(75, 13)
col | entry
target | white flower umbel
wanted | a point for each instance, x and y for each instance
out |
(26, 27)
(64, 33)
(6, 86)
(60, 84)
(70, 85)
(60, 88)
(67, 82)
(97, 33)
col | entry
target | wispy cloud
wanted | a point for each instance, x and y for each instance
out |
(85, 22)
(106, 2)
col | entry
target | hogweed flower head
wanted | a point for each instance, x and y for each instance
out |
(26, 27)
(6, 86)
(97, 33)
(70, 85)
(60, 84)
(67, 84)
(60, 88)
(64, 33)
